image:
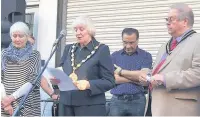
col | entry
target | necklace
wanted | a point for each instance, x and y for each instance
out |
(73, 75)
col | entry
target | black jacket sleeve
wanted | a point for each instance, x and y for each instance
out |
(106, 73)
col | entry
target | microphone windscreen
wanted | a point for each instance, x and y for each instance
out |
(63, 32)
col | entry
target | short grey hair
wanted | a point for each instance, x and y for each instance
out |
(87, 22)
(184, 12)
(21, 27)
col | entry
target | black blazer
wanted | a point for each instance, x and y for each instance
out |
(98, 70)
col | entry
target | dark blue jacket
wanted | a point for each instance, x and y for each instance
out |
(98, 70)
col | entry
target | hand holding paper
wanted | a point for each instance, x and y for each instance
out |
(82, 84)
(61, 79)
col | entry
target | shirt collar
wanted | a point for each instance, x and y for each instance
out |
(178, 39)
(91, 45)
(136, 52)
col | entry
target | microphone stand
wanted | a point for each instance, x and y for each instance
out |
(55, 47)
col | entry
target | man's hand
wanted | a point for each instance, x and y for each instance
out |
(116, 77)
(9, 109)
(157, 80)
(7, 101)
(142, 77)
(118, 69)
(82, 84)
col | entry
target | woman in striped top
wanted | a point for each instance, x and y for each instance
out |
(20, 66)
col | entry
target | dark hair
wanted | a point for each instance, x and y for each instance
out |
(130, 31)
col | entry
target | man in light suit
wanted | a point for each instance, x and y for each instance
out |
(176, 73)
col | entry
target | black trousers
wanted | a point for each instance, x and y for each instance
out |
(148, 113)
(88, 110)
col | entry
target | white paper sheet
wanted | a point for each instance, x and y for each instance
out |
(66, 83)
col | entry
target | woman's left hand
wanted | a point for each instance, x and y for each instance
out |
(7, 100)
(82, 84)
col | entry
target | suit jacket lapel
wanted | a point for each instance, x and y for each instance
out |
(170, 57)
(175, 51)
(159, 56)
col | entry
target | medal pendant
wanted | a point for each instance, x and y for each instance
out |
(73, 76)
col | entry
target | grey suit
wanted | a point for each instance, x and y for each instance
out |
(181, 70)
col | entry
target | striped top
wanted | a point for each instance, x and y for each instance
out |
(17, 74)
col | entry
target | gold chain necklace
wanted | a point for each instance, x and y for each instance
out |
(73, 75)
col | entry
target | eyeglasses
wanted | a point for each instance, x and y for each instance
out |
(18, 35)
(171, 19)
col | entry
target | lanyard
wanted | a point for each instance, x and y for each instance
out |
(168, 50)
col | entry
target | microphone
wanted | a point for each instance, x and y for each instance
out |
(63, 33)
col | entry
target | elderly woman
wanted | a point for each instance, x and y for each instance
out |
(20, 66)
(88, 64)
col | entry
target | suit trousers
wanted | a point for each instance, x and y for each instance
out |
(83, 110)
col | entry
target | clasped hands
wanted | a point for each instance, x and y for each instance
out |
(143, 78)
(156, 80)
(6, 104)
(80, 84)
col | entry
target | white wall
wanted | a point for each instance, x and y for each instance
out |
(32, 2)
(47, 20)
